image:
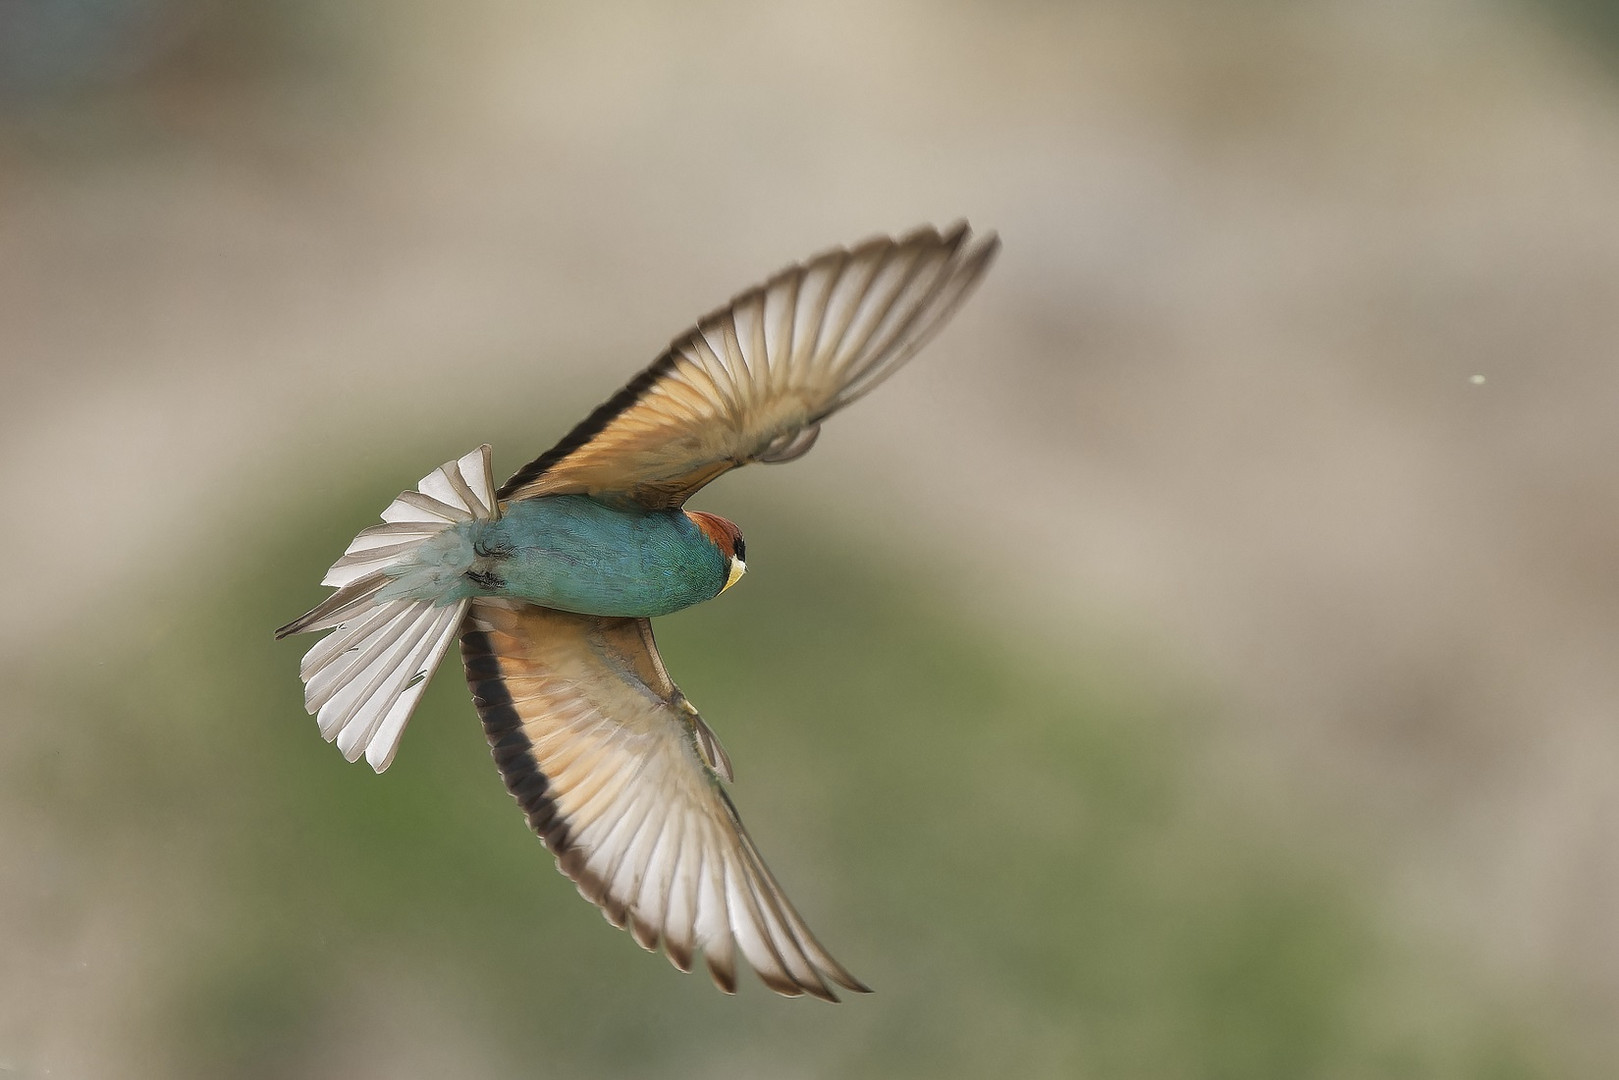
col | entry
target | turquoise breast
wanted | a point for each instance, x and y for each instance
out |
(573, 553)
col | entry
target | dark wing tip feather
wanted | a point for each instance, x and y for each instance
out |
(724, 976)
(615, 908)
(822, 992)
(680, 954)
(646, 935)
(783, 984)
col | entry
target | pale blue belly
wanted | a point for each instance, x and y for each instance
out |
(575, 554)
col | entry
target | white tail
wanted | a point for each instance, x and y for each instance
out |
(363, 680)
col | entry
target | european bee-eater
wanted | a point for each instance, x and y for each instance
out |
(552, 579)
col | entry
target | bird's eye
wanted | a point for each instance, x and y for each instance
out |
(741, 549)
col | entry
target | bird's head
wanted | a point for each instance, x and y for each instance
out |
(727, 537)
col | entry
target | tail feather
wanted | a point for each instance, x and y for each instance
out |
(397, 677)
(356, 564)
(378, 632)
(353, 635)
(342, 604)
(381, 736)
(363, 680)
(412, 506)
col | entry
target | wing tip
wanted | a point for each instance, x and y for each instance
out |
(723, 974)
(979, 255)
(680, 953)
(849, 982)
(645, 934)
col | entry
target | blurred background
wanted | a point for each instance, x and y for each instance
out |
(1199, 663)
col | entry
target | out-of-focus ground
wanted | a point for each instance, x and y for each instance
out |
(1289, 410)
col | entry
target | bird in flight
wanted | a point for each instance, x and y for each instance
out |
(551, 582)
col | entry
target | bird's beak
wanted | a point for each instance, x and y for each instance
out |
(738, 568)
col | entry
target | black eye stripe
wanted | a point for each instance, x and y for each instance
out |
(741, 549)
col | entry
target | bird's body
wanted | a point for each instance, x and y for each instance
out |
(551, 581)
(572, 553)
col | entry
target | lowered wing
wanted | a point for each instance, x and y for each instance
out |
(621, 778)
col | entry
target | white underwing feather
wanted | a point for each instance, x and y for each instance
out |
(749, 378)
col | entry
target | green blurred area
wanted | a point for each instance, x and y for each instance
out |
(1019, 858)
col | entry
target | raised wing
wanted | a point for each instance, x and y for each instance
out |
(753, 380)
(619, 776)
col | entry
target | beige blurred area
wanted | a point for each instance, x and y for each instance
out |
(1298, 368)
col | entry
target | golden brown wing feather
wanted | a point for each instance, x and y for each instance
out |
(753, 380)
(617, 773)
